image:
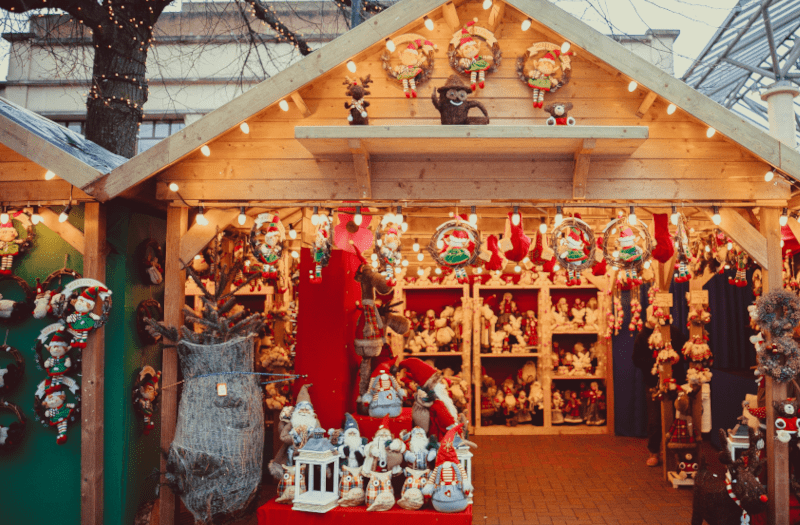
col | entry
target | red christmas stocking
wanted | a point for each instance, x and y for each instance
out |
(600, 267)
(664, 249)
(520, 242)
(496, 262)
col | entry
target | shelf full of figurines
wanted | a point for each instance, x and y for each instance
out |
(578, 404)
(573, 315)
(576, 361)
(435, 333)
(505, 329)
(519, 400)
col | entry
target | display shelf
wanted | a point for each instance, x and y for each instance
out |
(530, 430)
(431, 354)
(575, 332)
(599, 378)
(507, 354)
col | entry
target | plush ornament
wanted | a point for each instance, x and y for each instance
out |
(453, 106)
(740, 280)
(466, 56)
(681, 431)
(448, 485)
(595, 402)
(82, 321)
(636, 323)
(151, 257)
(696, 349)
(411, 497)
(600, 267)
(11, 435)
(433, 410)
(289, 486)
(664, 249)
(572, 410)
(578, 312)
(51, 406)
(559, 114)
(444, 335)
(388, 249)
(786, 412)
(380, 495)
(384, 453)
(573, 244)
(145, 396)
(384, 395)
(321, 249)
(515, 237)
(273, 398)
(687, 466)
(46, 299)
(351, 487)
(529, 323)
(11, 375)
(357, 107)
(416, 62)
(684, 255)
(549, 70)
(455, 244)
(10, 245)
(496, 262)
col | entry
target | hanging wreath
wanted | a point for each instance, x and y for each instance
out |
(63, 304)
(777, 314)
(11, 375)
(148, 309)
(466, 57)
(14, 312)
(416, 62)
(12, 435)
(574, 245)
(51, 406)
(44, 295)
(266, 242)
(627, 247)
(53, 352)
(455, 244)
(322, 247)
(10, 245)
(544, 69)
(150, 257)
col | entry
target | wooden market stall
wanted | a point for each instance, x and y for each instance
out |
(641, 138)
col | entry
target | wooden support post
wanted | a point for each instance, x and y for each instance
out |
(361, 168)
(301, 105)
(174, 299)
(777, 452)
(664, 279)
(451, 16)
(496, 16)
(581, 172)
(93, 385)
(646, 103)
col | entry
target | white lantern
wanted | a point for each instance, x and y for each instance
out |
(315, 457)
(465, 458)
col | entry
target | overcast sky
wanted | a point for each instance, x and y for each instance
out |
(697, 21)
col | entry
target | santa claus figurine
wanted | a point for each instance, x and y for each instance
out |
(420, 452)
(384, 395)
(458, 248)
(448, 484)
(83, 321)
(295, 429)
(351, 448)
(433, 410)
(384, 453)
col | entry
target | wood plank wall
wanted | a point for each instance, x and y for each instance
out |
(16, 168)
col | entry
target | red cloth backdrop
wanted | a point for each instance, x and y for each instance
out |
(325, 330)
(276, 514)
(367, 426)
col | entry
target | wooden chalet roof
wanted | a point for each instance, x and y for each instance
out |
(624, 146)
(31, 144)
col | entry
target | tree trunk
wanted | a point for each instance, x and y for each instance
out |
(119, 87)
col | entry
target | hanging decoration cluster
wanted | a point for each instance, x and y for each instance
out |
(777, 314)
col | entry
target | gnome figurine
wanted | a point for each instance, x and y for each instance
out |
(433, 409)
(57, 411)
(448, 485)
(58, 363)
(83, 321)
(351, 449)
(384, 395)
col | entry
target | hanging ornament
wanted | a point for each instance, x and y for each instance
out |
(515, 243)
(266, 243)
(145, 396)
(574, 245)
(52, 351)
(321, 249)
(151, 261)
(148, 309)
(683, 250)
(12, 435)
(415, 54)
(544, 69)
(627, 247)
(636, 323)
(455, 244)
(11, 375)
(387, 247)
(10, 244)
(51, 406)
(14, 312)
(474, 51)
(77, 313)
(46, 297)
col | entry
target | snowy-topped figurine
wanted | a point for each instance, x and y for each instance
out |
(545, 67)
(455, 244)
(266, 242)
(145, 396)
(416, 62)
(466, 55)
(574, 246)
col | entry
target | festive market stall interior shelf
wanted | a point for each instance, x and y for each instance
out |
(570, 157)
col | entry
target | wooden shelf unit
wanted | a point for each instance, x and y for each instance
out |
(543, 357)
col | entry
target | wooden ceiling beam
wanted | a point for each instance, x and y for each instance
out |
(646, 104)
(301, 105)
(451, 16)
(361, 167)
(498, 9)
(737, 228)
(199, 236)
(581, 173)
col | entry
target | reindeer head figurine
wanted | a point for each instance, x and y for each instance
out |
(742, 476)
(357, 90)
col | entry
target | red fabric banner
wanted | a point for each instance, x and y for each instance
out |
(276, 514)
(367, 426)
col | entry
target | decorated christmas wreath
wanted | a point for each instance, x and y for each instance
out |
(777, 313)
(12, 435)
(11, 375)
(150, 256)
(574, 245)
(544, 69)
(464, 50)
(416, 62)
(148, 309)
(455, 244)
(45, 296)
(14, 312)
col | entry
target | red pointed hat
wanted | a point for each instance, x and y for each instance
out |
(359, 255)
(386, 357)
(385, 423)
(759, 412)
(92, 292)
(59, 338)
(382, 368)
(419, 370)
(447, 450)
(53, 388)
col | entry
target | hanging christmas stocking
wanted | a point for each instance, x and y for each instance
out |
(600, 267)
(520, 243)
(496, 262)
(664, 249)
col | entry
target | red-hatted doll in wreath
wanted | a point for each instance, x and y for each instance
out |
(58, 363)
(575, 254)
(83, 321)
(595, 402)
(433, 410)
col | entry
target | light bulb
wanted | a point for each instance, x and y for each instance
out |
(526, 24)
(438, 271)
(440, 244)
(632, 217)
(284, 105)
(556, 268)
(205, 150)
(374, 256)
(671, 109)
(782, 243)
(473, 217)
(768, 176)
(242, 217)
(783, 221)
(415, 246)
(420, 256)
(292, 233)
(379, 242)
(615, 254)
(201, 218)
(708, 248)
(710, 132)
(173, 186)
(315, 216)
(647, 264)
(295, 255)
(245, 127)
(199, 257)
(398, 217)
(729, 246)
(429, 24)
(36, 218)
(515, 218)
(543, 227)
(559, 217)
(404, 226)
(375, 264)
(420, 272)
(3, 217)
(351, 66)
(358, 219)
(632, 86)
(390, 45)
(565, 47)
(674, 217)
(405, 262)
(487, 4)
(716, 219)
(727, 266)
(517, 268)
(65, 214)
(49, 175)
(479, 270)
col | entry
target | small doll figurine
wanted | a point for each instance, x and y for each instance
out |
(578, 314)
(357, 105)
(561, 314)
(581, 360)
(411, 66)
(542, 77)
(58, 363)
(57, 410)
(591, 320)
(593, 397)
(529, 322)
(471, 60)
(507, 308)
(559, 114)
(574, 253)
(321, 249)
(557, 415)
(145, 396)
(681, 430)
(389, 251)
(573, 410)
(269, 252)
(523, 408)
(9, 246)
(629, 252)
(83, 321)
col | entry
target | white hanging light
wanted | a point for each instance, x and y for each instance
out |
(201, 217)
(559, 217)
(173, 186)
(420, 256)
(479, 270)
(473, 216)
(244, 127)
(36, 218)
(438, 271)
(526, 24)
(543, 227)
(783, 221)
(351, 66)
(390, 45)
(205, 150)
(415, 246)
(284, 105)
(242, 217)
(405, 262)
(429, 24)
(374, 256)
(768, 176)
(565, 47)
(675, 216)
(716, 219)
(710, 132)
(632, 86)
(487, 4)
(292, 232)
(315, 216)
(420, 272)
(729, 246)
(358, 219)
(671, 109)
(632, 217)
(49, 175)
(517, 268)
(515, 217)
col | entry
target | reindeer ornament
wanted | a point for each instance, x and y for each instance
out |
(357, 105)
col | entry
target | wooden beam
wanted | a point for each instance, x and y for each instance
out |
(174, 299)
(361, 167)
(738, 229)
(795, 227)
(301, 105)
(777, 452)
(581, 172)
(65, 230)
(199, 236)
(646, 104)
(93, 386)
(41, 191)
(451, 16)
(496, 15)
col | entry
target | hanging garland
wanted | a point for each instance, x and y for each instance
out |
(45, 296)
(14, 312)
(11, 375)
(12, 435)
(777, 313)
(574, 244)
(455, 244)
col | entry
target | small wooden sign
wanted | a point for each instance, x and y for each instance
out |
(663, 300)
(699, 297)
(222, 389)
